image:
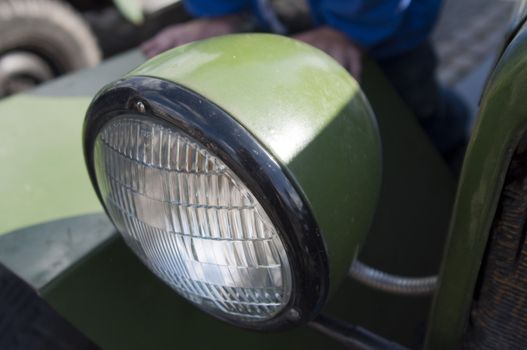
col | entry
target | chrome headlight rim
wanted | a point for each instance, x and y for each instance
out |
(178, 107)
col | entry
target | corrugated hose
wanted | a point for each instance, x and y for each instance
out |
(392, 283)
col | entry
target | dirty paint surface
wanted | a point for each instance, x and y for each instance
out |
(43, 176)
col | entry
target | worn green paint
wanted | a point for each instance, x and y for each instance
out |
(307, 110)
(40, 253)
(119, 304)
(502, 121)
(42, 175)
(131, 10)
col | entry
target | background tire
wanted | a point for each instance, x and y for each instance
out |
(51, 36)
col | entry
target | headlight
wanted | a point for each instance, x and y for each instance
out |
(243, 171)
(191, 220)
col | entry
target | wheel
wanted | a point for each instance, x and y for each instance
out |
(39, 40)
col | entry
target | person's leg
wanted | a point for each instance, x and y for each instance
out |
(441, 112)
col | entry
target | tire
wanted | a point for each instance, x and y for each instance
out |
(48, 33)
(28, 322)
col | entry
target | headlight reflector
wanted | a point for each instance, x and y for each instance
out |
(191, 220)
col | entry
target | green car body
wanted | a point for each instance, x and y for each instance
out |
(55, 236)
(133, 10)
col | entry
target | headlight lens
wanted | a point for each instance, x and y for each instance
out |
(191, 220)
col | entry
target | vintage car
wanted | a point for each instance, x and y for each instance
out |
(245, 192)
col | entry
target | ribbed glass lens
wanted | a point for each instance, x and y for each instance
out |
(191, 220)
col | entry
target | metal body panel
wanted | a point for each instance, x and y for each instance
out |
(39, 254)
(306, 110)
(132, 10)
(43, 178)
(119, 304)
(43, 175)
(136, 10)
(501, 123)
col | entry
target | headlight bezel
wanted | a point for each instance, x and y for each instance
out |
(278, 194)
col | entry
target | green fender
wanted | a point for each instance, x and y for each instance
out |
(501, 124)
(131, 10)
(43, 175)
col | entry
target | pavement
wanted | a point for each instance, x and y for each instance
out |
(468, 32)
(468, 38)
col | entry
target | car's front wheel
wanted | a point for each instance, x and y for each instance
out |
(39, 40)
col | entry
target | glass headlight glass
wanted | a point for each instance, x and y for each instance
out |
(191, 220)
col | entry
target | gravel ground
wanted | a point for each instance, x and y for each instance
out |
(468, 32)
